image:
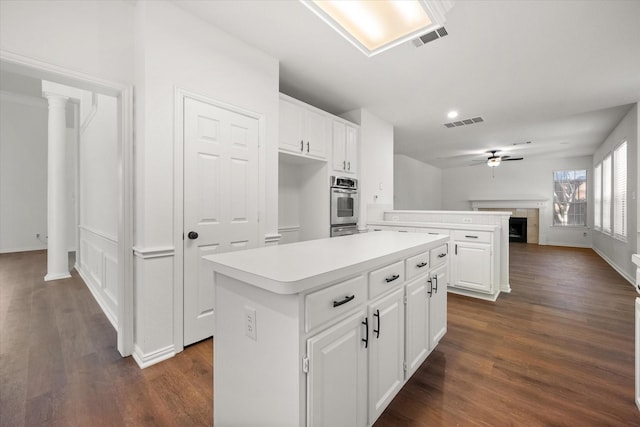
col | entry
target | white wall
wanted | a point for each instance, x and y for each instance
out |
(97, 259)
(176, 49)
(530, 177)
(616, 252)
(375, 162)
(92, 37)
(416, 185)
(23, 172)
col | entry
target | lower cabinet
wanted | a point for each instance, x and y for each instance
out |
(471, 266)
(417, 341)
(437, 305)
(337, 378)
(386, 351)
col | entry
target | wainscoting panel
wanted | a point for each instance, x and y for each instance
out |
(97, 264)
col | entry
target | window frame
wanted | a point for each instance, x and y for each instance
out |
(597, 196)
(607, 228)
(616, 231)
(585, 203)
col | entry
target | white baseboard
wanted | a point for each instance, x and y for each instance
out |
(568, 245)
(145, 360)
(471, 294)
(630, 279)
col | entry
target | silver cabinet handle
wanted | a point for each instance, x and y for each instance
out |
(301, 145)
(349, 166)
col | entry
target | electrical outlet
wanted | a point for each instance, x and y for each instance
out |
(466, 220)
(250, 323)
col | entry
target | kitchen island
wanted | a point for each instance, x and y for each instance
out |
(324, 332)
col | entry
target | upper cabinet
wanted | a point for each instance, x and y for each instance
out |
(304, 130)
(345, 147)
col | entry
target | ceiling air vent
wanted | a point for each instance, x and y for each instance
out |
(464, 122)
(429, 37)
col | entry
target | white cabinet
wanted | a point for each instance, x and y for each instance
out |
(386, 351)
(437, 305)
(472, 261)
(417, 342)
(303, 129)
(345, 147)
(337, 379)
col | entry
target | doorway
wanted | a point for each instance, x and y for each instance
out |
(121, 258)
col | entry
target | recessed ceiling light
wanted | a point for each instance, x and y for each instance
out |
(452, 114)
(375, 26)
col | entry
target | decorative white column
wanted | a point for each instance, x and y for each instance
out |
(57, 254)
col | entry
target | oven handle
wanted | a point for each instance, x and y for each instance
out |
(345, 191)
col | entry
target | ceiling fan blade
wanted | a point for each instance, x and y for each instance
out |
(511, 158)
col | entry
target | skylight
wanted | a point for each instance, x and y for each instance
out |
(377, 25)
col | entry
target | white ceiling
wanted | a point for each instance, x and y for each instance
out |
(561, 73)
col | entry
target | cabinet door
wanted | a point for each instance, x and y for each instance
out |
(417, 342)
(316, 134)
(339, 140)
(386, 351)
(471, 266)
(337, 378)
(438, 305)
(351, 150)
(291, 127)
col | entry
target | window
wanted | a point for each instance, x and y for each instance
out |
(597, 196)
(606, 194)
(620, 191)
(570, 198)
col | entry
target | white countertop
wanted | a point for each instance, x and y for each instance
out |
(444, 225)
(298, 267)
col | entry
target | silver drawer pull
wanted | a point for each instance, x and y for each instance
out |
(422, 264)
(442, 255)
(392, 278)
(471, 237)
(344, 301)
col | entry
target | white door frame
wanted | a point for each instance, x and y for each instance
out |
(124, 93)
(178, 193)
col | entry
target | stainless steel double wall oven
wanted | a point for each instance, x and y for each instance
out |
(344, 206)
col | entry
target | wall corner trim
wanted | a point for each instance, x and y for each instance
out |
(145, 360)
(154, 252)
(272, 239)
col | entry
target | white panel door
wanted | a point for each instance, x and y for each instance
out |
(417, 341)
(337, 379)
(351, 149)
(220, 201)
(317, 134)
(438, 305)
(339, 161)
(386, 351)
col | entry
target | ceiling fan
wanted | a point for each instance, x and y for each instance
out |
(494, 160)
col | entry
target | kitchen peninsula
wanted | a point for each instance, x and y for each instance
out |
(479, 263)
(325, 332)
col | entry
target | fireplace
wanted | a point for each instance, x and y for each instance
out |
(518, 229)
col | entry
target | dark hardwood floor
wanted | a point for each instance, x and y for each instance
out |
(558, 350)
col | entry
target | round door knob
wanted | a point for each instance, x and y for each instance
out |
(192, 235)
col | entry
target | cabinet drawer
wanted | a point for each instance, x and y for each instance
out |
(416, 265)
(438, 255)
(385, 278)
(472, 236)
(333, 301)
(433, 231)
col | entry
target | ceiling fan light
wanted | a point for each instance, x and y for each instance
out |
(493, 162)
